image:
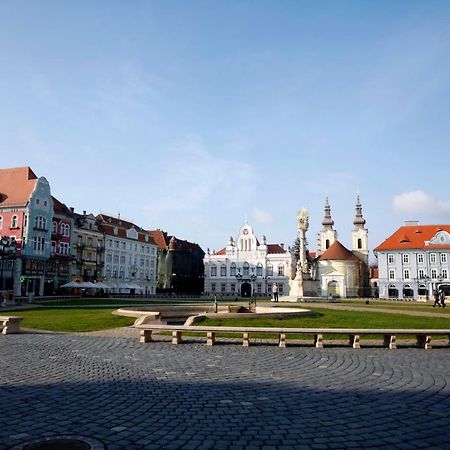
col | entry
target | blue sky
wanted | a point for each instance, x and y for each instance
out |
(191, 115)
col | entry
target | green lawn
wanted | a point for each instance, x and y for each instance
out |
(71, 319)
(331, 318)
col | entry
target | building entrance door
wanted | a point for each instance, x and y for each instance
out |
(333, 289)
(246, 290)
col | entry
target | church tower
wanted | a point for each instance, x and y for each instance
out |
(360, 234)
(327, 235)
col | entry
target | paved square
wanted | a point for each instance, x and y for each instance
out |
(158, 396)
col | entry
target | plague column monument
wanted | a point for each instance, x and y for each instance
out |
(303, 284)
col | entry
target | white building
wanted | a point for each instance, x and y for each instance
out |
(414, 261)
(248, 267)
(343, 272)
(130, 256)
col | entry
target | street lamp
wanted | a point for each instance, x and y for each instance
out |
(238, 279)
(252, 301)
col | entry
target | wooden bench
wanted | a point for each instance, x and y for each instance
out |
(11, 324)
(423, 336)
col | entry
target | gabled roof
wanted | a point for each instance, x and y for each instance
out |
(109, 224)
(61, 208)
(275, 249)
(162, 240)
(337, 252)
(16, 186)
(413, 237)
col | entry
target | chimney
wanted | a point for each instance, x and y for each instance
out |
(72, 210)
(411, 223)
(84, 213)
(282, 245)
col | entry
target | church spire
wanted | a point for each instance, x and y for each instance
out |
(327, 221)
(359, 220)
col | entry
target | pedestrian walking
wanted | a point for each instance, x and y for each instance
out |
(436, 298)
(275, 292)
(442, 298)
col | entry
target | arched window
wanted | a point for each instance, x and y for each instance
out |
(214, 270)
(246, 266)
(259, 270)
(223, 270)
(327, 243)
(422, 289)
(407, 291)
(359, 243)
(269, 270)
(54, 227)
(40, 223)
(233, 270)
(115, 273)
(108, 272)
(392, 291)
(1, 222)
(14, 221)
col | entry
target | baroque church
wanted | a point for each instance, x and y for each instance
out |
(342, 272)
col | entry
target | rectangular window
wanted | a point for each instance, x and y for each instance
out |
(405, 258)
(269, 270)
(433, 274)
(391, 274)
(233, 287)
(445, 274)
(214, 271)
(213, 287)
(259, 288)
(280, 288)
(390, 258)
(432, 258)
(269, 287)
(280, 271)
(406, 274)
(420, 258)
(421, 273)
(223, 287)
(443, 258)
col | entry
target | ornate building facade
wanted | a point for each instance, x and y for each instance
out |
(414, 261)
(248, 267)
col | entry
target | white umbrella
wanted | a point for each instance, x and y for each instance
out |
(71, 284)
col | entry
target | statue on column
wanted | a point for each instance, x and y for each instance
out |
(302, 225)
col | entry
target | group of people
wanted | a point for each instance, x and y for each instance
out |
(439, 298)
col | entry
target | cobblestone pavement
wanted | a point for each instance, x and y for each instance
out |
(158, 396)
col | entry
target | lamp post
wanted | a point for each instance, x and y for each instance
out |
(252, 301)
(238, 279)
(8, 249)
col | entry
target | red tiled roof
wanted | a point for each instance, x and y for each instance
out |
(16, 186)
(275, 248)
(337, 252)
(61, 208)
(222, 251)
(413, 237)
(161, 239)
(122, 226)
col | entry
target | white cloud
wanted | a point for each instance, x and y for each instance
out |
(418, 202)
(261, 216)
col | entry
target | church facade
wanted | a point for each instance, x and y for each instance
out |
(248, 267)
(343, 272)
